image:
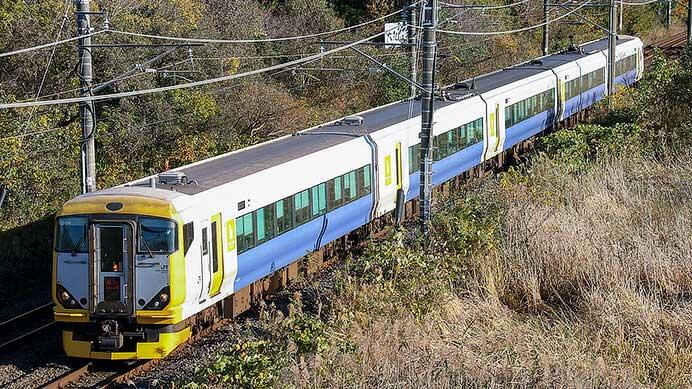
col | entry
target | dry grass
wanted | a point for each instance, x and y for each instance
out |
(588, 286)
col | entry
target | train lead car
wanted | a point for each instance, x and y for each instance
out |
(138, 268)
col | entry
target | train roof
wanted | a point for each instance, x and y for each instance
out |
(232, 166)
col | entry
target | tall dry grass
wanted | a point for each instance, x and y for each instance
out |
(587, 285)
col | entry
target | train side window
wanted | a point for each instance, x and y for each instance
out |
(334, 193)
(319, 200)
(245, 233)
(367, 182)
(265, 223)
(350, 188)
(301, 202)
(360, 182)
(478, 130)
(188, 236)
(283, 215)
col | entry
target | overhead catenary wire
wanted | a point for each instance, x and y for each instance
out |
(519, 29)
(192, 84)
(639, 3)
(485, 7)
(264, 40)
(50, 61)
(48, 45)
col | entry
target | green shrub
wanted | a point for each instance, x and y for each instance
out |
(250, 364)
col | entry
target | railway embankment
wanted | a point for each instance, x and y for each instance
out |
(570, 269)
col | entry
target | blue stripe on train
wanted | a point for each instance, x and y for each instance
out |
(448, 168)
(528, 128)
(590, 97)
(584, 100)
(264, 259)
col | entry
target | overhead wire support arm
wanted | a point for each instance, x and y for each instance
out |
(387, 68)
(139, 68)
(589, 21)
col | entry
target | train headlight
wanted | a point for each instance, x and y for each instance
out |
(66, 299)
(159, 301)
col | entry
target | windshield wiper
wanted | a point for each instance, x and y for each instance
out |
(77, 246)
(146, 246)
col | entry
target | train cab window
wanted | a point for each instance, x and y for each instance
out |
(334, 193)
(71, 235)
(283, 215)
(350, 187)
(319, 200)
(301, 202)
(265, 223)
(156, 236)
(188, 236)
(244, 233)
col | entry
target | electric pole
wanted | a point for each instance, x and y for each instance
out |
(621, 15)
(545, 27)
(413, 41)
(87, 110)
(427, 107)
(669, 14)
(612, 40)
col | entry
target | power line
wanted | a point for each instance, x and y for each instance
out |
(640, 3)
(50, 61)
(192, 84)
(284, 39)
(47, 45)
(517, 30)
(484, 7)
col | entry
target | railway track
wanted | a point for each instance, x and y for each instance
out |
(670, 47)
(25, 325)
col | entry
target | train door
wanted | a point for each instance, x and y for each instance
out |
(112, 248)
(216, 255)
(205, 262)
(561, 99)
(493, 142)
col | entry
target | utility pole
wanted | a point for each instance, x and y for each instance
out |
(621, 15)
(669, 14)
(427, 107)
(87, 110)
(545, 27)
(413, 41)
(612, 41)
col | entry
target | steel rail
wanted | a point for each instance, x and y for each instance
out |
(26, 313)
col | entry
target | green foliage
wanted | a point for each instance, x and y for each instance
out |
(250, 364)
(307, 332)
(580, 145)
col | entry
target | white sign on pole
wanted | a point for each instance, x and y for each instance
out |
(395, 33)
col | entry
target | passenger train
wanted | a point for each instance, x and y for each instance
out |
(139, 267)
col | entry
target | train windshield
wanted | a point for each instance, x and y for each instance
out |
(71, 235)
(156, 236)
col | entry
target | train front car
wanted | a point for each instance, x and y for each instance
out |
(118, 275)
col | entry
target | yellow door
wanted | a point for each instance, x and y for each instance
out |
(216, 255)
